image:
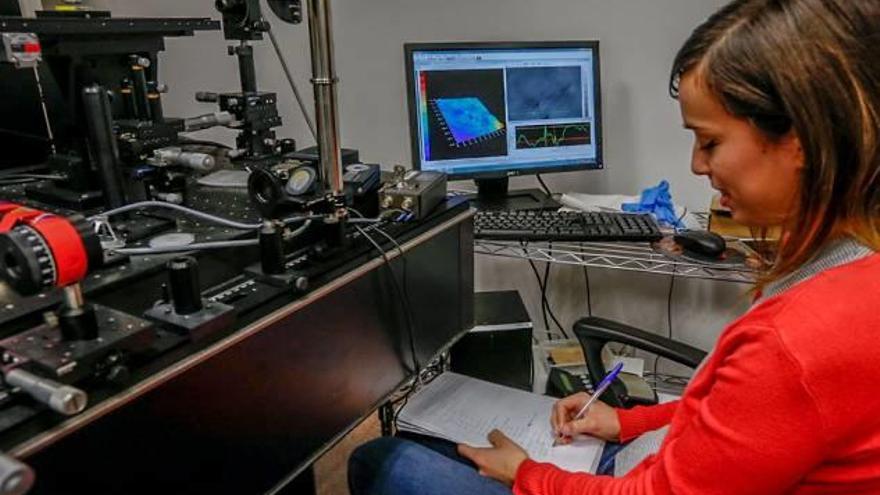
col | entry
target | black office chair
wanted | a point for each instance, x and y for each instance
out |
(594, 333)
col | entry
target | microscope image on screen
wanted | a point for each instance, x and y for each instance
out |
(545, 93)
(465, 114)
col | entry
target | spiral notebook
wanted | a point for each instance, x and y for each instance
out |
(464, 410)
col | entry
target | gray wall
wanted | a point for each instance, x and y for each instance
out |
(644, 139)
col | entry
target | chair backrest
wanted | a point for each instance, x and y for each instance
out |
(594, 333)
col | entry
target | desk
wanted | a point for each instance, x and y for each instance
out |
(258, 406)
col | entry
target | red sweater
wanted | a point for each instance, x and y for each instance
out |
(788, 403)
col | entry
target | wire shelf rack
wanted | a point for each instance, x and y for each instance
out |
(633, 257)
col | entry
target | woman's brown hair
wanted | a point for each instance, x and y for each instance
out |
(811, 67)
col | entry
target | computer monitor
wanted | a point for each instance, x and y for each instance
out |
(489, 111)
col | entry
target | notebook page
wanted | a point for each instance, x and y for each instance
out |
(465, 410)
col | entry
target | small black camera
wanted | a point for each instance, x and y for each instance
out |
(283, 189)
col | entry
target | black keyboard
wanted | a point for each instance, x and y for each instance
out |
(537, 225)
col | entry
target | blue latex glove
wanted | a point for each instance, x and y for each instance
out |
(658, 201)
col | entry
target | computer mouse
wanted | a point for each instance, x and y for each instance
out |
(701, 242)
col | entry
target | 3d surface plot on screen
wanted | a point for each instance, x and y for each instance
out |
(466, 120)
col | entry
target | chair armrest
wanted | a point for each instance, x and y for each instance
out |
(593, 333)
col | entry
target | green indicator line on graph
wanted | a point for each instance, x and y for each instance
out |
(553, 136)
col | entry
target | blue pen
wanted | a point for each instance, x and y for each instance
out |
(604, 384)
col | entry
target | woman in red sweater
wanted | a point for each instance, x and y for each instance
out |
(783, 97)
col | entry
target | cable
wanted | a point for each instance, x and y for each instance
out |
(403, 262)
(406, 298)
(544, 303)
(431, 371)
(396, 245)
(589, 295)
(244, 19)
(532, 370)
(381, 218)
(404, 294)
(17, 182)
(190, 247)
(296, 94)
(299, 230)
(362, 219)
(544, 185)
(196, 213)
(32, 176)
(207, 245)
(18, 179)
(49, 133)
(304, 218)
(183, 209)
(680, 219)
(397, 411)
(401, 295)
(547, 329)
(668, 313)
(543, 284)
(391, 212)
(546, 300)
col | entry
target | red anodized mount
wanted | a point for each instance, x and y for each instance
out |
(67, 255)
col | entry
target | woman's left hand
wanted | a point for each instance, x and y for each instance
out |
(500, 461)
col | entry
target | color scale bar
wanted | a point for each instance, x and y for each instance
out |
(423, 110)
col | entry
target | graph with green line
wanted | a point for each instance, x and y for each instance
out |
(553, 135)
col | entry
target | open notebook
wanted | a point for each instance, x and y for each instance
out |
(464, 410)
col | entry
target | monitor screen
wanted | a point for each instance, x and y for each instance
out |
(486, 110)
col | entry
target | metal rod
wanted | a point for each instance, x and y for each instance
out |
(127, 91)
(139, 83)
(102, 143)
(324, 81)
(247, 71)
(61, 398)
(73, 296)
(49, 132)
(154, 98)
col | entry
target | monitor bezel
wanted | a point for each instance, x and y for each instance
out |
(411, 48)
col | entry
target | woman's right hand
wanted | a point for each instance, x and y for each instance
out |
(600, 421)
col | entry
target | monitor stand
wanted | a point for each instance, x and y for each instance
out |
(494, 194)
